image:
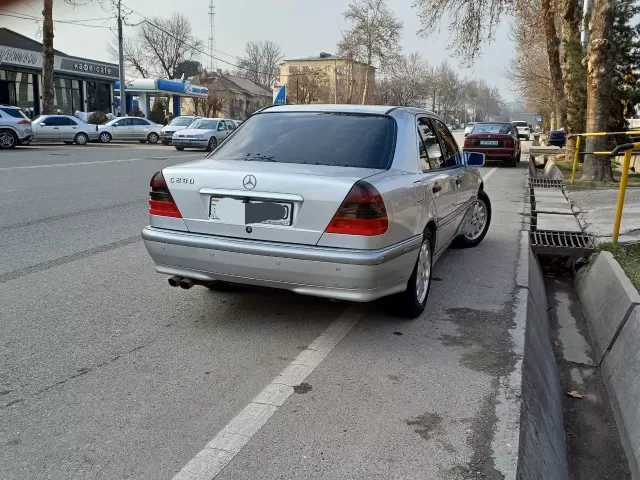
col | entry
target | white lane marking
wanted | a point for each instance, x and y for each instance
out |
(99, 162)
(219, 452)
(489, 173)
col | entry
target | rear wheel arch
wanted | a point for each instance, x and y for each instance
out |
(431, 227)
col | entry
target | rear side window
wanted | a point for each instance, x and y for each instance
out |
(14, 112)
(451, 152)
(314, 138)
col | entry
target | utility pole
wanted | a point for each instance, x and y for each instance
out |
(123, 96)
(47, 58)
(335, 81)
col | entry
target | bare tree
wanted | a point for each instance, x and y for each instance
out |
(599, 89)
(373, 36)
(405, 84)
(159, 47)
(309, 86)
(211, 106)
(260, 63)
(471, 22)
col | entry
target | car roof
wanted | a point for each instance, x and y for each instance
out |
(493, 123)
(346, 108)
(9, 106)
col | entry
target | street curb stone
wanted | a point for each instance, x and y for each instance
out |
(608, 298)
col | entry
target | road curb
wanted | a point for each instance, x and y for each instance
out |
(542, 451)
(608, 298)
(611, 306)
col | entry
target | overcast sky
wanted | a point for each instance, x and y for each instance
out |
(302, 28)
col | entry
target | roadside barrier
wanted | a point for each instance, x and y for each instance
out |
(627, 148)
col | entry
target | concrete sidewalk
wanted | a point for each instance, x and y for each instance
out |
(598, 207)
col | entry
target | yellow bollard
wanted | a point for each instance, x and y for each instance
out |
(576, 157)
(621, 194)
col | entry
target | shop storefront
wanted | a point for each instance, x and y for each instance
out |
(79, 84)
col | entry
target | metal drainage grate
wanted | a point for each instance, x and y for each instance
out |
(561, 243)
(545, 183)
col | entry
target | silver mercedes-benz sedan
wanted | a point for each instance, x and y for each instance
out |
(341, 201)
(204, 133)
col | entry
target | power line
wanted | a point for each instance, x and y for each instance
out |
(66, 22)
(202, 52)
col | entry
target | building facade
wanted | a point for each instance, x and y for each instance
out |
(237, 97)
(79, 84)
(331, 78)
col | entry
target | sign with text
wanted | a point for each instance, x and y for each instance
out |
(82, 67)
(18, 56)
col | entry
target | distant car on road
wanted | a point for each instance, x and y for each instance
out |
(556, 138)
(15, 127)
(63, 128)
(130, 128)
(178, 123)
(468, 128)
(524, 130)
(308, 198)
(496, 140)
(204, 133)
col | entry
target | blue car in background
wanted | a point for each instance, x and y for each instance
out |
(556, 138)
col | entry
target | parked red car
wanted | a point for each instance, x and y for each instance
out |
(497, 140)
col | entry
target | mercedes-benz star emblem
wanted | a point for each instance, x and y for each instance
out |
(249, 182)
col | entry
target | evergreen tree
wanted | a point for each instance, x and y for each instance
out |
(626, 73)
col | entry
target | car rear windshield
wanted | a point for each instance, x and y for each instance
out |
(14, 112)
(494, 128)
(521, 124)
(181, 122)
(314, 138)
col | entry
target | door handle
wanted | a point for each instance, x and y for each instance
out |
(436, 188)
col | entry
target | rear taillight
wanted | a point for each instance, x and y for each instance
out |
(361, 213)
(24, 122)
(161, 202)
(509, 143)
(469, 142)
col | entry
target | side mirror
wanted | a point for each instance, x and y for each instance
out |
(43, 124)
(474, 159)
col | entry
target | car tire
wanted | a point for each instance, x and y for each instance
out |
(512, 162)
(412, 302)
(213, 143)
(105, 137)
(165, 143)
(81, 139)
(8, 139)
(480, 222)
(179, 148)
(68, 143)
(153, 138)
(142, 141)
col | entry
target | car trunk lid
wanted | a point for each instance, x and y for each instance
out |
(280, 202)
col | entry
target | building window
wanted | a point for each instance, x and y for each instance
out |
(16, 88)
(98, 97)
(294, 69)
(68, 97)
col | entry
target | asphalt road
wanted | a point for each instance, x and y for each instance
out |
(108, 373)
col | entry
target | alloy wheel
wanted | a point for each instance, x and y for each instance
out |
(423, 272)
(478, 221)
(7, 140)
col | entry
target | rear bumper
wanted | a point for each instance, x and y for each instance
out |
(494, 153)
(354, 275)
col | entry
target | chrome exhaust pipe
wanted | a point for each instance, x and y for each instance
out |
(174, 281)
(187, 283)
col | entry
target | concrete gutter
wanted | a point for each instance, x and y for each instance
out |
(542, 451)
(611, 306)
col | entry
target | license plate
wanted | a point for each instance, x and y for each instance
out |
(246, 212)
(489, 143)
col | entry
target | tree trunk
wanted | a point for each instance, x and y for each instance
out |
(366, 85)
(599, 90)
(574, 73)
(47, 58)
(553, 54)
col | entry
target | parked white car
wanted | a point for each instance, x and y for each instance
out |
(351, 202)
(204, 133)
(175, 125)
(15, 127)
(130, 128)
(63, 128)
